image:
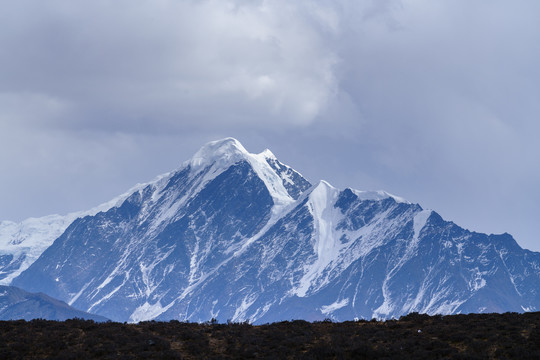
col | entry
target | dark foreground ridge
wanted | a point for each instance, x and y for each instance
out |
(415, 336)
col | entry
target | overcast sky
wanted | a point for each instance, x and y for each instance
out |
(435, 101)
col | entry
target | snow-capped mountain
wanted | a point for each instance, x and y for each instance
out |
(22, 243)
(234, 235)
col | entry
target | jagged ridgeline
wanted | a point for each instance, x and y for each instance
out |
(237, 236)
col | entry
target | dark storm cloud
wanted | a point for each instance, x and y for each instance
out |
(434, 101)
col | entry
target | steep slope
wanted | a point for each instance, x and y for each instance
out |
(166, 237)
(347, 254)
(22, 243)
(18, 304)
(386, 258)
(234, 235)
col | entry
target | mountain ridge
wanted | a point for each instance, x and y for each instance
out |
(234, 236)
(18, 304)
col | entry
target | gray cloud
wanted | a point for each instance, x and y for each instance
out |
(107, 64)
(434, 101)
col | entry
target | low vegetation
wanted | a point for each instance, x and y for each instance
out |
(415, 336)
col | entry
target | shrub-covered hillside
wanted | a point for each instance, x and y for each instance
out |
(485, 336)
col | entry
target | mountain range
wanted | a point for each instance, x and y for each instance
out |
(16, 304)
(238, 236)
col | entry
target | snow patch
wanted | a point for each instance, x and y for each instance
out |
(419, 222)
(273, 182)
(74, 298)
(327, 309)
(223, 153)
(477, 282)
(148, 311)
(241, 311)
(377, 195)
(326, 246)
(267, 154)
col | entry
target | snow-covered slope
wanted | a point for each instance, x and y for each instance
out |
(22, 243)
(234, 235)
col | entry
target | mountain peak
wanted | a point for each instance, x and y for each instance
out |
(221, 154)
(325, 184)
(228, 150)
(267, 154)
